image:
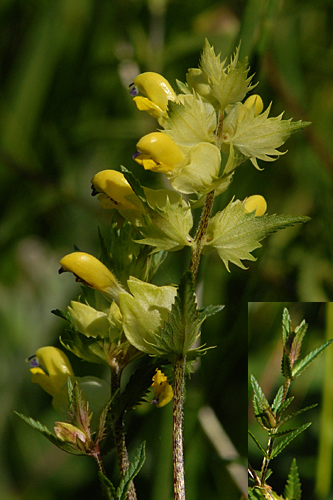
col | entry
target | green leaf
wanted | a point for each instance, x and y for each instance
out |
(63, 445)
(108, 488)
(258, 444)
(257, 137)
(300, 331)
(135, 390)
(190, 122)
(181, 329)
(92, 349)
(228, 84)
(205, 312)
(258, 393)
(235, 233)
(285, 405)
(277, 449)
(304, 363)
(293, 487)
(133, 470)
(292, 415)
(278, 400)
(256, 493)
(286, 325)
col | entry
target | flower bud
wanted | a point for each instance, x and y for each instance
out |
(89, 321)
(158, 152)
(50, 368)
(114, 191)
(155, 92)
(91, 272)
(163, 392)
(255, 100)
(257, 203)
(69, 433)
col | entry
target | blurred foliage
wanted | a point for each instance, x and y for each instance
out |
(313, 387)
(65, 114)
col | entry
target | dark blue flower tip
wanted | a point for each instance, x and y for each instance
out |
(33, 361)
(134, 91)
(136, 154)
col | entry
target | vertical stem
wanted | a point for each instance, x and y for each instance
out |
(119, 434)
(200, 234)
(178, 454)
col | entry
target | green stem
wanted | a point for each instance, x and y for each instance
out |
(178, 454)
(271, 439)
(199, 238)
(119, 434)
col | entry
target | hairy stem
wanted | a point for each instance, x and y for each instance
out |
(199, 238)
(119, 434)
(178, 455)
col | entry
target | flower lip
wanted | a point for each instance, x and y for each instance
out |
(136, 154)
(133, 90)
(94, 191)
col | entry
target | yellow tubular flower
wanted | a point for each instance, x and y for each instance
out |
(257, 203)
(114, 191)
(158, 152)
(163, 392)
(155, 92)
(50, 368)
(91, 272)
(255, 100)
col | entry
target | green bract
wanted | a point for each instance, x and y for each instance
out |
(234, 233)
(144, 312)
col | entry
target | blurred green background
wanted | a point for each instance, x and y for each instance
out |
(313, 448)
(65, 114)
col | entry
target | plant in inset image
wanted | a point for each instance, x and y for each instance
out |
(273, 416)
(206, 131)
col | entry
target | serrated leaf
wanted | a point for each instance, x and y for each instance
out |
(286, 325)
(133, 470)
(257, 137)
(300, 331)
(258, 444)
(228, 84)
(277, 449)
(285, 405)
(278, 400)
(87, 348)
(286, 366)
(108, 488)
(63, 445)
(190, 121)
(181, 329)
(292, 415)
(293, 487)
(304, 363)
(235, 233)
(136, 389)
(261, 398)
(205, 312)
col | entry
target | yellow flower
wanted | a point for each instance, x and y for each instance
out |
(114, 191)
(163, 392)
(155, 92)
(51, 368)
(158, 152)
(257, 203)
(255, 100)
(91, 272)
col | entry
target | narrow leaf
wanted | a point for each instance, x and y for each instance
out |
(293, 487)
(63, 445)
(277, 400)
(288, 417)
(108, 488)
(132, 471)
(258, 444)
(259, 394)
(277, 449)
(304, 363)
